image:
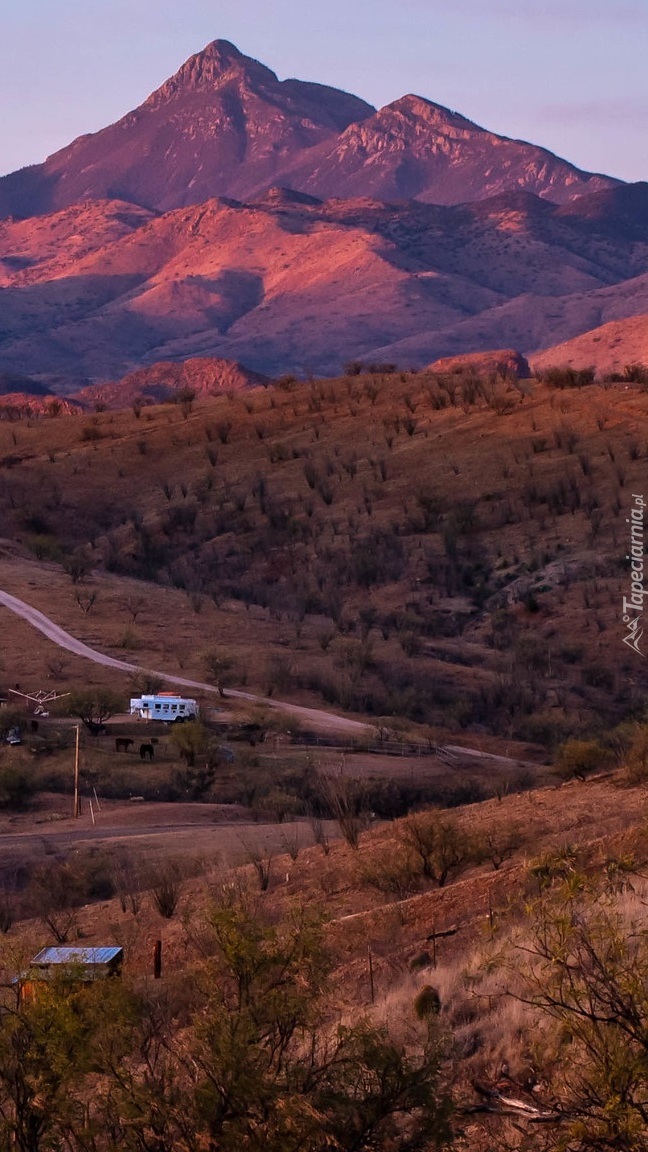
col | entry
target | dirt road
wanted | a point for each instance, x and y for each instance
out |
(232, 843)
(310, 717)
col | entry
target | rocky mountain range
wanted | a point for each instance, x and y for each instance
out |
(224, 125)
(291, 227)
(292, 284)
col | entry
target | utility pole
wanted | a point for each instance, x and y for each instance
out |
(76, 773)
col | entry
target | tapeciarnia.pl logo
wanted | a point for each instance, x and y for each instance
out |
(633, 607)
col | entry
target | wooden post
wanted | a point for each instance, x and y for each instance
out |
(157, 960)
(371, 975)
(97, 800)
(76, 810)
(434, 956)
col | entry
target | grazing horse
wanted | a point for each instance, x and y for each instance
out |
(123, 743)
(146, 750)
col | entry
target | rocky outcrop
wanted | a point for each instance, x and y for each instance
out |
(200, 377)
(502, 361)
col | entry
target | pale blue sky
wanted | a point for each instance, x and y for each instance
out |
(568, 74)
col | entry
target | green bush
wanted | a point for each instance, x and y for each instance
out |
(579, 758)
(16, 787)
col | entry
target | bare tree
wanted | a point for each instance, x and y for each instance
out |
(291, 840)
(345, 801)
(85, 600)
(128, 886)
(135, 605)
(218, 664)
(439, 844)
(166, 889)
(319, 834)
(261, 863)
(55, 895)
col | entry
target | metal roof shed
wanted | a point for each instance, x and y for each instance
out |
(82, 963)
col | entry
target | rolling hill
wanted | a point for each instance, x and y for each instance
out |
(293, 284)
(610, 347)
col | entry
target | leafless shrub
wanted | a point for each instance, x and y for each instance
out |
(499, 843)
(319, 834)
(54, 895)
(328, 880)
(394, 874)
(262, 865)
(344, 799)
(291, 840)
(166, 889)
(56, 667)
(501, 402)
(86, 600)
(128, 886)
(438, 844)
(77, 566)
(134, 605)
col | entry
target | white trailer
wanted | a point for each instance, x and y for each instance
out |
(164, 706)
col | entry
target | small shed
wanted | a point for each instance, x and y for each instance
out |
(86, 963)
(83, 965)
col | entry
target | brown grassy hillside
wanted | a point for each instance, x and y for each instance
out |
(610, 347)
(390, 933)
(393, 545)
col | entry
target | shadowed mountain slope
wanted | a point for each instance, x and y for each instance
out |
(292, 284)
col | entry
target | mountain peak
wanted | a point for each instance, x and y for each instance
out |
(225, 125)
(435, 115)
(222, 50)
(218, 62)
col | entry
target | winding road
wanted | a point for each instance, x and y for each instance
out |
(315, 717)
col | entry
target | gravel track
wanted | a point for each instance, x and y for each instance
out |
(315, 717)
